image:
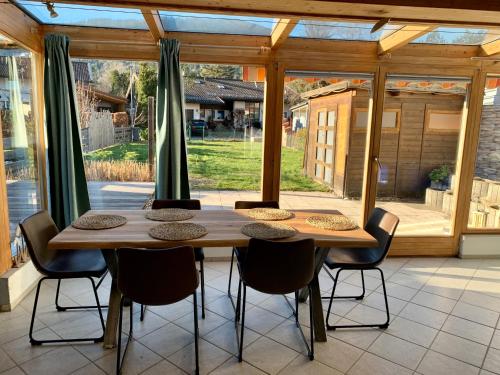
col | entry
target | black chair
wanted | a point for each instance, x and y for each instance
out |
(277, 268)
(156, 278)
(199, 255)
(246, 205)
(38, 230)
(381, 225)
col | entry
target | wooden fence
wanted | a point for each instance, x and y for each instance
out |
(101, 132)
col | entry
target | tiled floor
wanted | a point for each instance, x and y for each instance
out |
(444, 320)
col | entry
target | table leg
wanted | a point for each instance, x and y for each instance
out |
(315, 298)
(114, 301)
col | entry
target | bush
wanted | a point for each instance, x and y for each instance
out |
(440, 174)
(143, 134)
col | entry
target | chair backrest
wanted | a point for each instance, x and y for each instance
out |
(382, 225)
(157, 276)
(242, 205)
(38, 229)
(278, 267)
(187, 204)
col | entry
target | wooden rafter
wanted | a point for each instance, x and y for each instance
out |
(152, 18)
(490, 49)
(281, 31)
(402, 37)
(18, 27)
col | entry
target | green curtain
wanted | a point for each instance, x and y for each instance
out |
(171, 157)
(69, 196)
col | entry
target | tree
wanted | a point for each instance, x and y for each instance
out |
(87, 103)
(119, 82)
(220, 71)
(470, 38)
(434, 38)
(146, 83)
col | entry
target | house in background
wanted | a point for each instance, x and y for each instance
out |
(215, 100)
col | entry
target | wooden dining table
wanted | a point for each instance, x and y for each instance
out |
(224, 230)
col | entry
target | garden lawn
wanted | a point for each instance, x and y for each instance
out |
(222, 165)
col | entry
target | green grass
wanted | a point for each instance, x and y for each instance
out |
(224, 165)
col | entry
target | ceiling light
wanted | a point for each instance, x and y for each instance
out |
(50, 8)
(379, 25)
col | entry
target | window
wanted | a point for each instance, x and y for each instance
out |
(320, 152)
(332, 116)
(321, 137)
(443, 121)
(321, 119)
(390, 119)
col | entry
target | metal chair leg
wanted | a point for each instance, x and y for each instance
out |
(296, 306)
(119, 358)
(360, 297)
(65, 308)
(328, 326)
(230, 272)
(34, 341)
(310, 348)
(238, 303)
(196, 333)
(143, 310)
(202, 274)
(311, 327)
(240, 355)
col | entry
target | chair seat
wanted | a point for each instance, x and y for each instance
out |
(199, 255)
(352, 258)
(77, 263)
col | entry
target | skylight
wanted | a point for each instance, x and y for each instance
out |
(216, 23)
(455, 35)
(316, 29)
(82, 15)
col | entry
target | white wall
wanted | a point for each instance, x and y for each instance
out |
(196, 109)
(479, 245)
(238, 105)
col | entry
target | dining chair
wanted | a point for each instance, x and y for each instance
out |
(38, 229)
(199, 255)
(277, 268)
(155, 277)
(246, 205)
(381, 225)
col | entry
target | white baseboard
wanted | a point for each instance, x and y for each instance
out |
(17, 283)
(480, 246)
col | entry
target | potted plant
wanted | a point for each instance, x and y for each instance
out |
(440, 177)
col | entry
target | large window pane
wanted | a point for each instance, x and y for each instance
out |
(322, 160)
(19, 134)
(421, 125)
(485, 199)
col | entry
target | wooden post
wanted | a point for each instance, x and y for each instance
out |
(5, 253)
(151, 133)
(273, 117)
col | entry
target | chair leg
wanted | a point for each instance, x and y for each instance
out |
(230, 273)
(65, 308)
(143, 310)
(202, 274)
(240, 355)
(310, 348)
(238, 303)
(328, 326)
(196, 333)
(34, 341)
(119, 358)
(311, 327)
(296, 306)
(94, 288)
(360, 297)
(379, 325)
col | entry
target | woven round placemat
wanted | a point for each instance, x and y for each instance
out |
(169, 214)
(268, 231)
(96, 222)
(269, 214)
(332, 222)
(177, 231)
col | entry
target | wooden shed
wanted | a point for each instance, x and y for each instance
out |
(420, 131)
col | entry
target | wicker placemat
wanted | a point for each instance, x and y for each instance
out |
(177, 231)
(269, 214)
(332, 222)
(169, 214)
(268, 231)
(96, 222)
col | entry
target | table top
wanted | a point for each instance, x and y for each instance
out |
(223, 228)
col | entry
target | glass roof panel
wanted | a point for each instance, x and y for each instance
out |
(317, 29)
(216, 23)
(82, 15)
(455, 35)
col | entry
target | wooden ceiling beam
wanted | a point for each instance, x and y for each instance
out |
(153, 20)
(401, 37)
(19, 28)
(490, 49)
(461, 12)
(281, 31)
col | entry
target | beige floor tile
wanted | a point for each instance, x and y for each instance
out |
(232, 366)
(358, 337)
(337, 354)
(450, 287)
(14, 371)
(167, 340)
(363, 314)
(495, 341)
(20, 350)
(260, 320)
(150, 323)
(398, 351)
(174, 311)
(439, 364)
(268, 355)
(412, 331)
(90, 369)
(59, 361)
(434, 301)
(17, 327)
(492, 361)
(211, 322)
(476, 314)
(481, 300)
(162, 368)
(6, 363)
(278, 305)
(487, 287)
(225, 337)
(371, 364)
(459, 348)
(424, 315)
(137, 359)
(469, 330)
(82, 326)
(288, 334)
(399, 291)
(302, 365)
(411, 280)
(377, 301)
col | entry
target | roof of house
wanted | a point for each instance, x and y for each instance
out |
(81, 69)
(217, 91)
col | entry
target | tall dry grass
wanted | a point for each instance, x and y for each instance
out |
(120, 170)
